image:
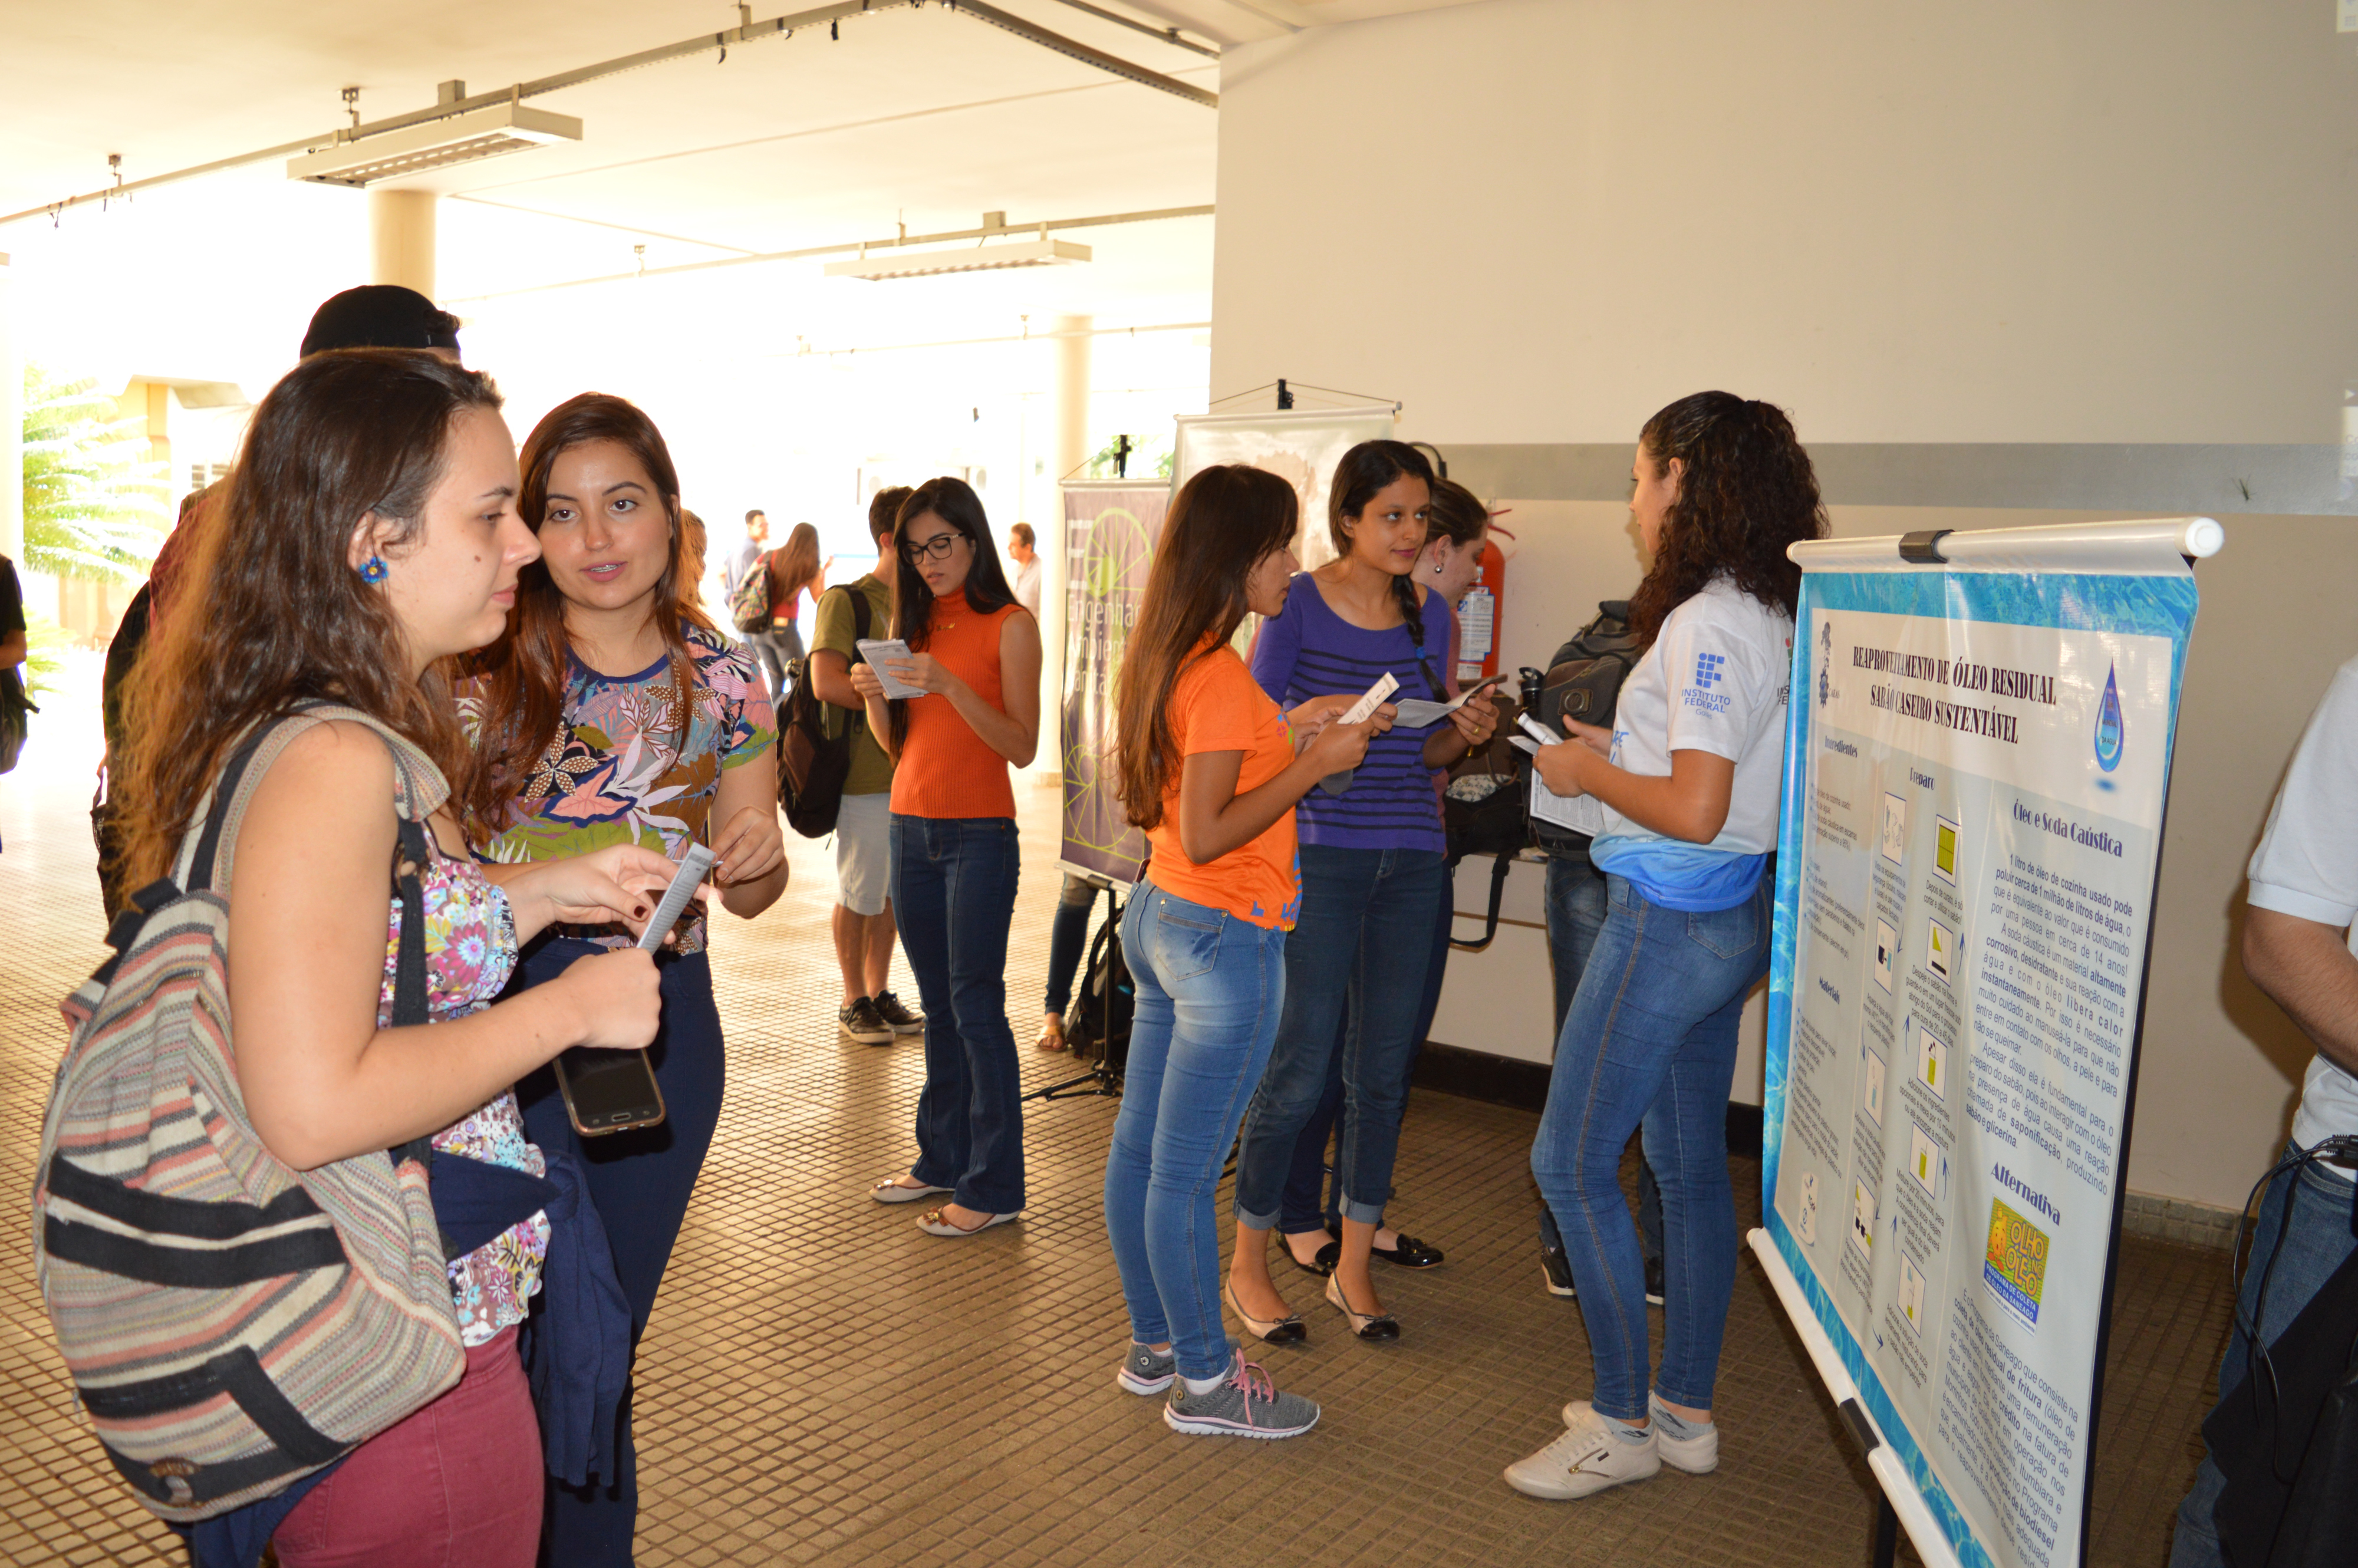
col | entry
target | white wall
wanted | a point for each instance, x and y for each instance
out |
(1541, 220)
(1538, 221)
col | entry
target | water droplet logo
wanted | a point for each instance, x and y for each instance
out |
(2108, 725)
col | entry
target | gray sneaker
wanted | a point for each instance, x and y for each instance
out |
(1247, 1404)
(1145, 1371)
(903, 1021)
(861, 1022)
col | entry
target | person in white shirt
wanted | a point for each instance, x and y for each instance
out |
(1027, 567)
(2300, 947)
(1689, 779)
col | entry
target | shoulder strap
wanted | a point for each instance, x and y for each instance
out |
(860, 608)
(208, 854)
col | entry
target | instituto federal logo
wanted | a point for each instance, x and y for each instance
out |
(1708, 673)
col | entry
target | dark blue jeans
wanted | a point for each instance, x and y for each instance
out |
(2306, 1251)
(1650, 1041)
(954, 894)
(1362, 943)
(1208, 990)
(641, 1180)
(1301, 1210)
(1575, 913)
(1068, 938)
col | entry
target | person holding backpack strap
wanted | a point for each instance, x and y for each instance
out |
(869, 1014)
(376, 490)
(1207, 765)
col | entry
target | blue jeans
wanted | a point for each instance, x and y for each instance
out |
(1575, 913)
(2306, 1252)
(954, 895)
(1210, 986)
(1362, 942)
(1068, 937)
(1650, 1041)
(1300, 1211)
(640, 1182)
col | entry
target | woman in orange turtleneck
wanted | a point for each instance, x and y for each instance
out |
(975, 653)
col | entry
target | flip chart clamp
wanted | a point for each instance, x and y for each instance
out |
(1923, 549)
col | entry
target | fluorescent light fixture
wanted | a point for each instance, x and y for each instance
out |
(509, 128)
(981, 258)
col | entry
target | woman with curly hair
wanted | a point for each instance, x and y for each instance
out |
(1689, 778)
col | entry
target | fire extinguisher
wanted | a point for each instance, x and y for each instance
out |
(1478, 612)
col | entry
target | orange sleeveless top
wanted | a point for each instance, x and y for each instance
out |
(945, 769)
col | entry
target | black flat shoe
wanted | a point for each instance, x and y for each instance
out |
(1286, 1330)
(1366, 1326)
(1410, 1254)
(1322, 1262)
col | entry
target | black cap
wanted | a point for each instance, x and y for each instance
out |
(380, 316)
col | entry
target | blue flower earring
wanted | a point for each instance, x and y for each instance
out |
(373, 570)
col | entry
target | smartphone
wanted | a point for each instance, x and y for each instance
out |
(613, 1091)
(608, 1091)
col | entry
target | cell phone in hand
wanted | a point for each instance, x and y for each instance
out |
(608, 1091)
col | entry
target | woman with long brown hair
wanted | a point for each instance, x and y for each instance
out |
(1373, 854)
(613, 713)
(975, 660)
(369, 532)
(1207, 765)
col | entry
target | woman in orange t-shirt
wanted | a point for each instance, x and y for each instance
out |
(975, 655)
(1207, 766)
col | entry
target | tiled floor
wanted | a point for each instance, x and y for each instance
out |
(823, 1384)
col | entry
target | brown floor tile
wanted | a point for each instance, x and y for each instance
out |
(822, 1384)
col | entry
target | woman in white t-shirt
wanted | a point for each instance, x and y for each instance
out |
(1688, 778)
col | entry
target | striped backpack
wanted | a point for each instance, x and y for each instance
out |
(231, 1324)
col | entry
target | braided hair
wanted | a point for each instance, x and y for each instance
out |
(1364, 470)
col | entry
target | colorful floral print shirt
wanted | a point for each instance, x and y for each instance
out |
(617, 770)
(470, 947)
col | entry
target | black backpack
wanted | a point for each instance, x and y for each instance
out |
(1584, 682)
(812, 763)
(1099, 1030)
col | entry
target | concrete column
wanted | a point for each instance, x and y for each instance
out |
(12, 424)
(1070, 448)
(401, 239)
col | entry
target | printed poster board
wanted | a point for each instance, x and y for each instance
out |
(1111, 528)
(1301, 445)
(1976, 772)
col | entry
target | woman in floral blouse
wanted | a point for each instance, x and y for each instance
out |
(611, 712)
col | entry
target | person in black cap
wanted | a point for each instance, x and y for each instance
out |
(382, 316)
(374, 316)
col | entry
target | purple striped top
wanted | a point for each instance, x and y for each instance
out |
(1309, 650)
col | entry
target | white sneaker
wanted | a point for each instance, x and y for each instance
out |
(1587, 1459)
(1697, 1455)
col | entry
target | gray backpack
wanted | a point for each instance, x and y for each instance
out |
(231, 1324)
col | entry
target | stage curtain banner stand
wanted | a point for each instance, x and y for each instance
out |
(1976, 779)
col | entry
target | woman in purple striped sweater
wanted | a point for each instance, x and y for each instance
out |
(1372, 854)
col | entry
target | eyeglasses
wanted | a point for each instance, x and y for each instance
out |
(939, 547)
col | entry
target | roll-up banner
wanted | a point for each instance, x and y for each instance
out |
(1977, 771)
(1111, 528)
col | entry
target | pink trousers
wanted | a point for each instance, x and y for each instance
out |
(457, 1484)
